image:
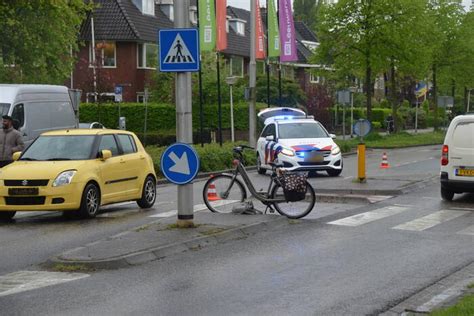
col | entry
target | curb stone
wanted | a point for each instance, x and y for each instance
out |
(161, 252)
(443, 293)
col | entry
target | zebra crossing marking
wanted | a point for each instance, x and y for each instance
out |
(22, 281)
(196, 208)
(367, 217)
(431, 220)
(467, 231)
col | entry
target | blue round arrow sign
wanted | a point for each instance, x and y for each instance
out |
(180, 163)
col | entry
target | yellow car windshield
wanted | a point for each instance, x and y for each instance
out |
(64, 147)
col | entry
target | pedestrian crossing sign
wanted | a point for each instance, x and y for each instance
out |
(178, 50)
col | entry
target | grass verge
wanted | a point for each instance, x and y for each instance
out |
(398, 140)
(465, 307)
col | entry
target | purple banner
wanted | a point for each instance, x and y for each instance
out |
(287, 32)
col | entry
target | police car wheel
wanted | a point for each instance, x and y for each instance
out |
(260, 170)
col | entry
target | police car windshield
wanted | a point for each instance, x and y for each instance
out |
(301, 130)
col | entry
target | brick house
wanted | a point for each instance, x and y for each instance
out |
(125, 33)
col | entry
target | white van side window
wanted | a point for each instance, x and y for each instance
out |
(463, 135)
(18, 115)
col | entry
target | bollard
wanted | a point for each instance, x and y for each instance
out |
(361, 162)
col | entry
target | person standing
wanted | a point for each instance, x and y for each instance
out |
(10, 141)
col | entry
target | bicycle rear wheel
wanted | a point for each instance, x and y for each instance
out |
(221, 193)
(297, 209)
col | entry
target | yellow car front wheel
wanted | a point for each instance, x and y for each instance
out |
(90, 202)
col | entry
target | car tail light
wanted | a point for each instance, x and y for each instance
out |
(444, 155)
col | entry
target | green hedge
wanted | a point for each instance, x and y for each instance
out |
(162, 116)
(212, 157)
(378, 114)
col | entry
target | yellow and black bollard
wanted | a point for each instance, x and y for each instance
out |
(361, 163)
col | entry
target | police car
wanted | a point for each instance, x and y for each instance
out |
(303, 144)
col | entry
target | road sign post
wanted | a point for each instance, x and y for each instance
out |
(179, 52)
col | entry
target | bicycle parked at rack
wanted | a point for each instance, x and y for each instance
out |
(223, 192)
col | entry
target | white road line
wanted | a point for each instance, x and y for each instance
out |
(463, 208)
(431, 220)
(467, 231)
(367, 217)
(22, 281)
(197, 208)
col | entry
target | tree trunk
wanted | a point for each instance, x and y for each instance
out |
(393, 95)
(435, 99)
(368, 82)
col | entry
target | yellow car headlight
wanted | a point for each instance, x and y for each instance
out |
(64, 178)
(287, 152)
(335, 150)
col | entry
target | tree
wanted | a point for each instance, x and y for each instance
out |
(306, 11)
(38, 39)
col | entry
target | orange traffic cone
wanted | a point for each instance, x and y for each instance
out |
(212, 193)
(384, 164)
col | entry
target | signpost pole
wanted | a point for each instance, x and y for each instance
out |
(184, 122)
(416, 115)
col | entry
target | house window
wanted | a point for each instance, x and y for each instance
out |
(238, 26)
(193, 15)
(105, 54)
(102, 97)
(168, 10)
(287, 72)
(147, 56)
(313, 78)
(236, 66)
(141, 97)
(148, 7)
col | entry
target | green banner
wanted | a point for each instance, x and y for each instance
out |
(273, 31)
(207, 25)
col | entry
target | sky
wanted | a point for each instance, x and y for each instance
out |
(245, 4)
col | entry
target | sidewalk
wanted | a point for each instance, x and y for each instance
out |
(410, 131)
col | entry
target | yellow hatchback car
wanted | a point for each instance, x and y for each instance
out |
(77, 171)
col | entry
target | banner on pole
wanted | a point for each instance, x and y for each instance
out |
(260, 47)
(273, 33)
(287, 32)
(207, 25)
(221, 17)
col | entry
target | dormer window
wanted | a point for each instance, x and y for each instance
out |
(168, 10)
(193, 17)
(145, 6)
(238, 26)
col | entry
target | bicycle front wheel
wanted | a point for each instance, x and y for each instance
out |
(222, 193)
(297, 209)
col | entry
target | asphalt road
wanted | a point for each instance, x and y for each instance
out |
(343, 259)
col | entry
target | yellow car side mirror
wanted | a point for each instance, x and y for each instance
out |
(105, 154)
(16, 155)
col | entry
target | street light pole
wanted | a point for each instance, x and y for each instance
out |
(231, 81)
(252, 76)
(184, 122)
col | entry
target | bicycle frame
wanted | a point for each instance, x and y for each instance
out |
(240, 168)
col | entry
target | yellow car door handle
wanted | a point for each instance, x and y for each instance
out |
(122, 161)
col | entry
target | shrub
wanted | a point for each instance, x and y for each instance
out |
(376, 125)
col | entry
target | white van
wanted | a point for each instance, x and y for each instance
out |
(37, 108)
(457, 157)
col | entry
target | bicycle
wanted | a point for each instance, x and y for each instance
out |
(224, 191)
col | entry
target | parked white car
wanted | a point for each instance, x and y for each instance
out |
(457, 157)
(303, 144)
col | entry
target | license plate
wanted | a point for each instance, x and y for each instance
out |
(314, 157)
(465, 172)
(23, 191)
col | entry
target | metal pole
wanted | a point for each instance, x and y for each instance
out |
(416, 115)
(352, 114)
(344, 121)
(267, 63)
(219, 99)
(201, 114)
(232, 133)
(468, 99)
(184, 122)
(94, 73)
(146, 116)
(279, 85)
(252, 76)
